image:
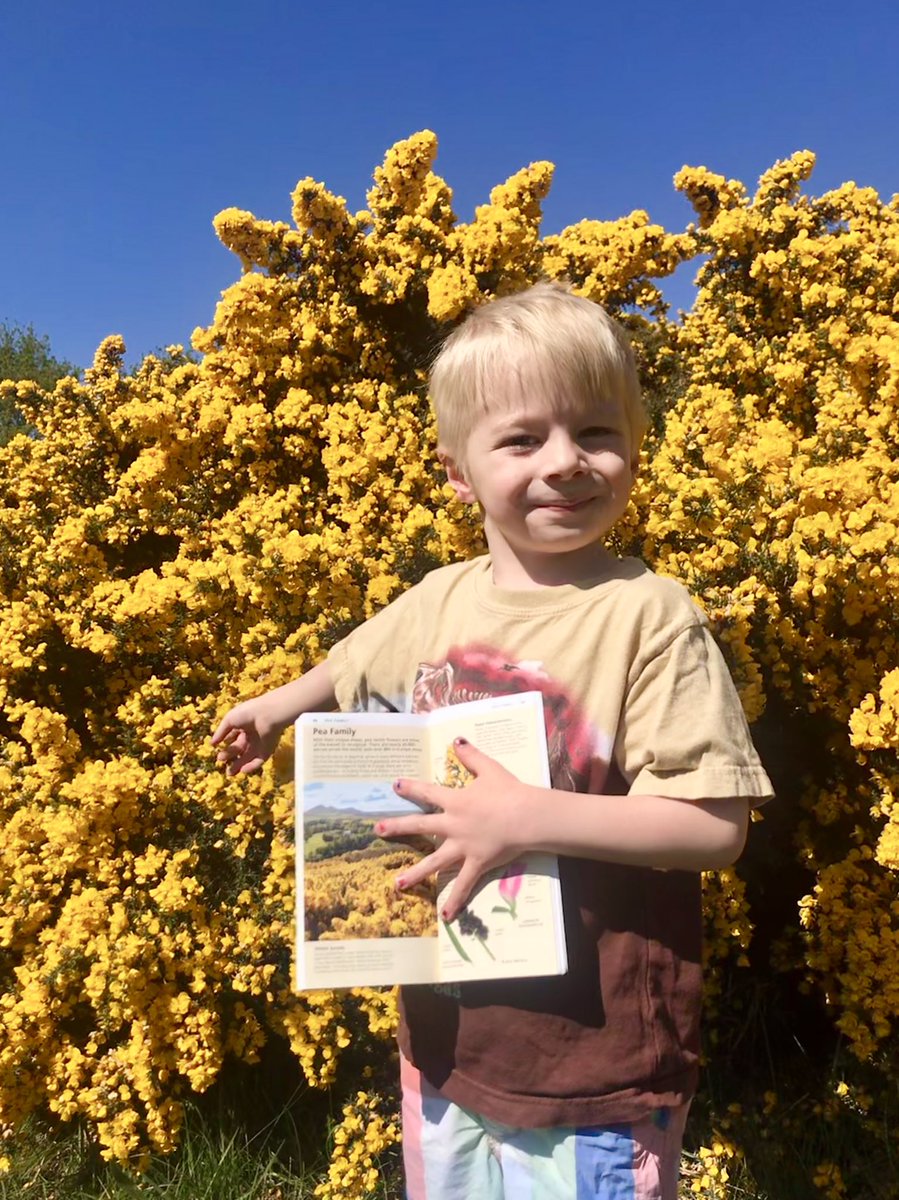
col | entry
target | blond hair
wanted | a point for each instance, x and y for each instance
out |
(543, 341)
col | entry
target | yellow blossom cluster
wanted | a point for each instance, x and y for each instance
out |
(363, 1134)
(180, 537)
(774, 495)
(728, 932)
(787, 1142)
(713, 1168)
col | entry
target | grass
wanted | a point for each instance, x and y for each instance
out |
(784, 1151)
(213, 1162)
(260, 1134)
(210, 1165)
(781, 1096)
(222, 1159)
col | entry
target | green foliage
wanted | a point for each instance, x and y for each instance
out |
(26, 356)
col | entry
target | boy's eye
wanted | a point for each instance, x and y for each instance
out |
(518, 441)
(598, 432)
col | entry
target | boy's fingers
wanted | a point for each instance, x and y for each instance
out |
(412, 826)
(460, 891)
(228, 732)
(471, 757)
(245, 768)
(237, 766)
(233, 747)
(425, 794)
(223, 727)
(419, 872)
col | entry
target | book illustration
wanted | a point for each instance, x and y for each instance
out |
(350, 872)
(454, 773)
(509, 886)
(468, 924)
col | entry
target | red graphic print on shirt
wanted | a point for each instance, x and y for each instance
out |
(475, 672)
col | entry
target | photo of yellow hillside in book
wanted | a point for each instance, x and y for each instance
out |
(349, 873)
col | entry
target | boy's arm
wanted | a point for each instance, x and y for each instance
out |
(497, 817)
(249, 733)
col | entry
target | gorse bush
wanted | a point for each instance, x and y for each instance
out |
(184, 536)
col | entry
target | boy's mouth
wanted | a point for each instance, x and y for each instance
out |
(567, 505)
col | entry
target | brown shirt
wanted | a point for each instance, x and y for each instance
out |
(637, 701)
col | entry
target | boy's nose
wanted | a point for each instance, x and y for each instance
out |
(563, 456)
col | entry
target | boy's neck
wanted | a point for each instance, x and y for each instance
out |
(519, 572)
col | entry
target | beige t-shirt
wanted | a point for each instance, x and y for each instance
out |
(637, 700)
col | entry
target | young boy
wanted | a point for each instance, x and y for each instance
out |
(579, 1085)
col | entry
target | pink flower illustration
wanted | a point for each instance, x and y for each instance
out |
(509, 887)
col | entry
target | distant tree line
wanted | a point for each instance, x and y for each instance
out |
(26, 355)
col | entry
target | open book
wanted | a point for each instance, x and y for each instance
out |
(353, 928)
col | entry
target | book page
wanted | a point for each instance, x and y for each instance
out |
(353, 924)
(507, 728)
(512, 924)
(379, 747)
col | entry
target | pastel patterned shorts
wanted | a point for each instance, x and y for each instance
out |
(452, 1154)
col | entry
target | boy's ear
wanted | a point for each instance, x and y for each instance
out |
(455, 477)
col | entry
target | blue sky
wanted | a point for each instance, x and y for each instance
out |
(125, 128)
(367, 797)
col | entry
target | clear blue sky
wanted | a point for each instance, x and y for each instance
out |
(126, 127)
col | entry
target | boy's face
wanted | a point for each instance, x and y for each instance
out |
(552, 479)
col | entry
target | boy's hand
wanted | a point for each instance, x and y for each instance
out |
(248, 736)
(477, 826)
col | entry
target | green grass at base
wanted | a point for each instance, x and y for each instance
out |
(212, 1162)
(789, 1098)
